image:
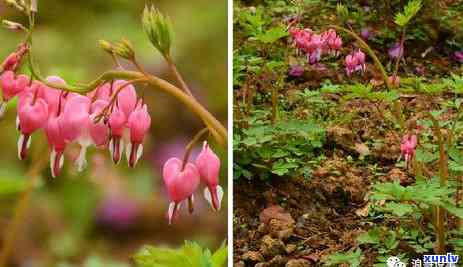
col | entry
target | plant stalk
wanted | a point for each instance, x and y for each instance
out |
(191, 145)
(443, 174)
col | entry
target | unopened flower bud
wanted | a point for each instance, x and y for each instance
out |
(106, 46)
(11, 25)
(15, 4)
(158, 28)
(124, 49)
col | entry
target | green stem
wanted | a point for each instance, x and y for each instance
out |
(177, 75)
(184, 85)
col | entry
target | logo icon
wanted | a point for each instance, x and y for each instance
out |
(394, 262)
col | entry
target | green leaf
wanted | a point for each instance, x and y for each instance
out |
(150, 256)
(272, 35)
(399, 209)
(219, 258)
(353, 258)
(453, 209)
(10, 186)
(282, 168)
(371, 237)
(95, 261)
(190, 255)
(193, 251)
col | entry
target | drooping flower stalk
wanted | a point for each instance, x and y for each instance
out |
(439, 212)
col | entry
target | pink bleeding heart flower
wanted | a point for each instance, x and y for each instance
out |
(117, 121)
(332, 42)
(300, 37)
(408, 147)
(75, 117)
(138, 123)
(396, 51)
(181, 184)
(394, 80)
(458, 56)
(208, 164)
(11, 85)
(12, 62)
(76, 121)
(99, 131)
(102, 92)
(55, 98)
(296, 70)
(355, 62)
(126, 97)
(313, 48)
(32, 115)
(57, 143)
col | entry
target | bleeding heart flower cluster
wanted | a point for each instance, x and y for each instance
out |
(408, 146)
(315, 45)
(182, 180)
(355, 62)
(103, 118)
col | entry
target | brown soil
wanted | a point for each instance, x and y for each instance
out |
(295, 223)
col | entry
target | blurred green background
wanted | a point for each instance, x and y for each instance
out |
(102, 216)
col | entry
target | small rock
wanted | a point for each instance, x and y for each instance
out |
(298, 263)
(362, 149)
(285, 234)
(239, 264)
(278, 213)
(252, 256)
(271, 246)
(262, 229)
(277, 261)
(290, 248)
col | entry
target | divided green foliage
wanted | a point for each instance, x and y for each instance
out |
(410, 10)
(189, 255)
(252, 22)
(280, 149)
(423, 194)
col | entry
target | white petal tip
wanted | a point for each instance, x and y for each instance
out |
(2, 109)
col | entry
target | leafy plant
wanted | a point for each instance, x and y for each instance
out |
(410, 10)
(352, 258)
(189, 255)
(282, 148)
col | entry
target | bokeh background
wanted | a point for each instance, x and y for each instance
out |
(102, 216)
